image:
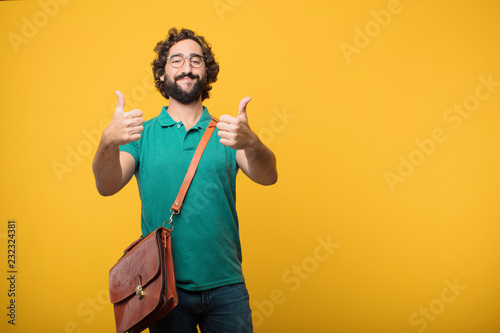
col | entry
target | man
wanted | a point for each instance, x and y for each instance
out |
(206, 246)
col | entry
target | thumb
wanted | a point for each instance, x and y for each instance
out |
(120, 104)
(242, 109)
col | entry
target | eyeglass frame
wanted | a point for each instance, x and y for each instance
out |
(184, 59)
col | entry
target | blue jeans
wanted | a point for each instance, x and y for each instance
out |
(220, 310)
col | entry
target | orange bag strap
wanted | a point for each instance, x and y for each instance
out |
(176, 207)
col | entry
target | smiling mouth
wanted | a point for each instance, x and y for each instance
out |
(187, 77)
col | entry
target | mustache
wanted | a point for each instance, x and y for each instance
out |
(189, 75)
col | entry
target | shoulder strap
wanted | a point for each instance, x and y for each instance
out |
(176, 207)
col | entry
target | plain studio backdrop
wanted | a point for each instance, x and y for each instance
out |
(384, 117)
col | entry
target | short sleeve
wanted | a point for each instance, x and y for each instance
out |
(133, 149)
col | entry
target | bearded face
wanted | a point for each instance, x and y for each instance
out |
(185, 88)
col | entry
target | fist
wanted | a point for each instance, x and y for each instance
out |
(125, 126)
(235, 131)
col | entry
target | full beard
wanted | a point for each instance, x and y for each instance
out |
(173, 90)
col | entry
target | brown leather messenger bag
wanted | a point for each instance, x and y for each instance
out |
(142, 282)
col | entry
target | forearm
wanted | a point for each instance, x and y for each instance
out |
(107, 169)
(260, 163)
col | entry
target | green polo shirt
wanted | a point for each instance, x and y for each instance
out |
(205, 240)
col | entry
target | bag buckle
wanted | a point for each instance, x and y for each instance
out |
(169, 221)
(139, 292)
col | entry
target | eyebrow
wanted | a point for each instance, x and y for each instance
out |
(192, 54)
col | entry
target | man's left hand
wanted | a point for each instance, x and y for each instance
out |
(235, 131)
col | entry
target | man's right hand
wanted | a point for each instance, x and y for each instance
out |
(125, 126)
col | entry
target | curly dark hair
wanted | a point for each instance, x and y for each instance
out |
(162, 48)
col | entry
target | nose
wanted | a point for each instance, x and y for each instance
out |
(186, 66)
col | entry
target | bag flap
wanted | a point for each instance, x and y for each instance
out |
(138, 266)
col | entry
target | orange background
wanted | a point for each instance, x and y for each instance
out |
(383, 114)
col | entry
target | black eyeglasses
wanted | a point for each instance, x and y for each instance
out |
(177, 60)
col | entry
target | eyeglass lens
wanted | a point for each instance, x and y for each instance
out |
(178, 60)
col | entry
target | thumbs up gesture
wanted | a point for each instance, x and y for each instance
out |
(235, 131)
(125, 126)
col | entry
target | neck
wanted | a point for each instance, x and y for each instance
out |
(188, 114)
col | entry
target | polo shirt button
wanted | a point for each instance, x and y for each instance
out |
(178, 125)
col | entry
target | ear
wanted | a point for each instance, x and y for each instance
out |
(162, 77)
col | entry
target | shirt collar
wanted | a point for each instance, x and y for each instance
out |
(166, 120)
